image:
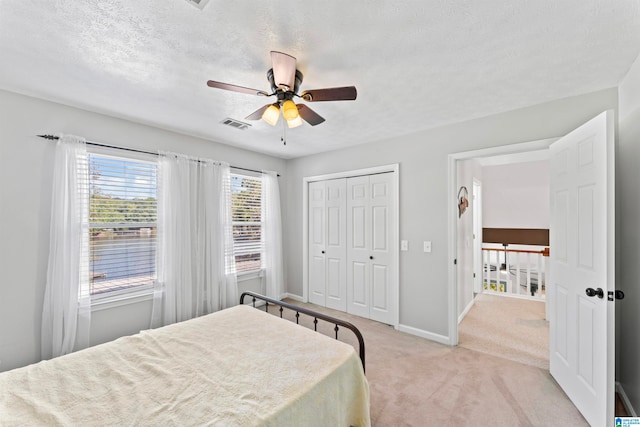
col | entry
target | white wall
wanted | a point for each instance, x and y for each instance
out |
(516, 195)
(628, 237)
(424, 195)
(25, 199)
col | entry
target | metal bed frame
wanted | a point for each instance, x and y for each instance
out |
(336, 322)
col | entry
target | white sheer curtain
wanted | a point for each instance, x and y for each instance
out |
(194, 228)
(272, 235)
(66, 312)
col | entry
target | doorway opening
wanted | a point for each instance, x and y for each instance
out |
(462, 231)
(502, 246)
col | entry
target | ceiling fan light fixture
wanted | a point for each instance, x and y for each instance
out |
(289, 110)
(295, 122)
(271, 114)
(285, 80)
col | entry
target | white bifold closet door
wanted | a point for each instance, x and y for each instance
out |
(370, 240)
(351, 238)
(327, 244)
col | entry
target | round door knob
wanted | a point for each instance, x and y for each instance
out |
(371, 257)
(322, 251)
(595, 292)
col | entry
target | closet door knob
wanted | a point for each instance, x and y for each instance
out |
(322, 251)
(371, 257)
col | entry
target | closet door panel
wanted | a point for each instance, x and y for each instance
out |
(383, 242)
(379, 285)
(358, 229)
(317, 233)
(358, 283)
(358, 246)
(380, 235)
(336, 244)
(333, 280)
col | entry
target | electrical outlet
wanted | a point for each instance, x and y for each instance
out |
(427, 246)
(404, 245)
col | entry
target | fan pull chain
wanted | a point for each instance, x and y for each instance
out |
(283, 138)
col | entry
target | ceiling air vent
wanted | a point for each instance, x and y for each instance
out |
(235, 124)
(200, 4)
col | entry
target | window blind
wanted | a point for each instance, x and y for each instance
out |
(122, 224)
(246, 208)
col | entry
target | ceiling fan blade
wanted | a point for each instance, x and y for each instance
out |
(309, 115)
(234, 88)
(284, 69)
(347, 93)
(257, 115)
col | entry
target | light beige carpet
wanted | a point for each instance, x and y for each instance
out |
(512, 328)
(416, 382)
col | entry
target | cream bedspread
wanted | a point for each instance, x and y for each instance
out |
(236, 367)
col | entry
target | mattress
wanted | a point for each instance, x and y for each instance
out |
(236, 367)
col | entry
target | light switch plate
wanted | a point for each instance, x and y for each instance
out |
(427, 246)
(404, 245)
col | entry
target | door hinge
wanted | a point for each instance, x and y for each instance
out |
(474, 275)
(455, 261)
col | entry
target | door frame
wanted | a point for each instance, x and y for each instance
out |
(394, 168)
(452, 185)
(476, 205)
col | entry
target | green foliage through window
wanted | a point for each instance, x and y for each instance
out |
(122, 224)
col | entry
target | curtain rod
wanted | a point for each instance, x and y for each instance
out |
(97, 144)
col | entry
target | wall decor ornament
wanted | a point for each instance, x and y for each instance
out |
(463, 200)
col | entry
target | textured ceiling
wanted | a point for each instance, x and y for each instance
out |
(416, 64)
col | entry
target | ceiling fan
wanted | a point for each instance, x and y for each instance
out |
(285, 81)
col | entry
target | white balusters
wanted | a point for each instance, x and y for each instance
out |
(524, 276)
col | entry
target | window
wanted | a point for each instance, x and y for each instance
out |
(246, 209)
(122, 225)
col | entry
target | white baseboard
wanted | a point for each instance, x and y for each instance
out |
(402, 328)
(466, 310)
(625, 399)
(293, 297)
(424, 334)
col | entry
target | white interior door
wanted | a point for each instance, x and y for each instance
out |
(582, 342)
(336, 245)
(317, 236)
(371, 244)
(382, 244)
(358, 246)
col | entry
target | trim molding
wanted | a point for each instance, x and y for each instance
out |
(424, 334)
(293, 297)
(122, 300)
(625, 400)
(466, 310)
(351, 173)
(452, 222)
